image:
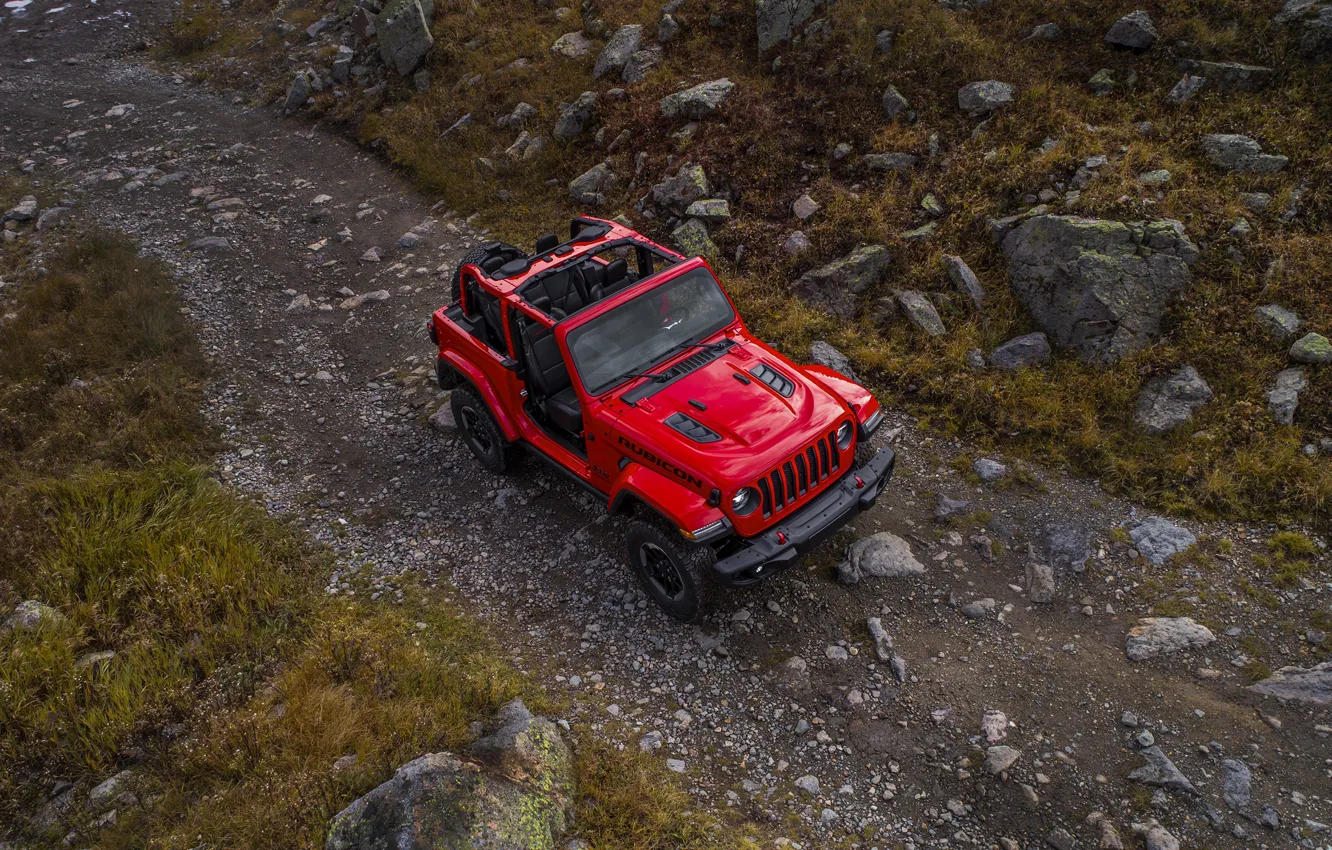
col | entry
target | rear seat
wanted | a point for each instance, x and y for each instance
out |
(569, 290)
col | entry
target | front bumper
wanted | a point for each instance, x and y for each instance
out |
(778, 548)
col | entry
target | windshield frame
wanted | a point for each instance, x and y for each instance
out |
(646, 288)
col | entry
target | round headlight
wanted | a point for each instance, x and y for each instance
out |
(745, 501)
(844, 435)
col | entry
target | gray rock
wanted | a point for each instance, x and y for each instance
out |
(298, 92)
(889, 161)
(1160, 772)
(1067, 547)
(641, 63)
(300, 304)
(118, 791)
(792, 675)
(921, 313)
(975, 359)
(883, 41)
(1031, 349)
(894, 102)
(1230, 76)
(964, 279)
(689, 184)
(838, 285)
(1154, 836)
(988, 470)
(1313, 23)
(442, 419)
(617, 52)
(1098, 287)
(701, 101)
(211, 244)
(1169, 401)
(777, 21)
(1235, 781)
(796, 243)
(1284, 397)
(1001, 758)
(1061, 839)
(1240, 229)
(592, 186)
(1157, 177)
(574, 117)
(1040, 581)
(824, 354)
(26, 208)
(710, 211)
(882, 555)
(1283, 324)
(1312, 348)
(516, 792)
(668, 28)
(946, 508)
(809, 784)
(1312, 685)
(883, 642)
(898, 665)
(1102, 82)
(978, 608)
(804, 207)
(1135, 30)
(457, 126)
(1156, 636)
(1256, 201)
(573, 45)
(1158, 539)
(1185, 89)
(1240, 154)
(981, 98)
(404, 35)
(693, 240)
(52, 217)
(30, 615)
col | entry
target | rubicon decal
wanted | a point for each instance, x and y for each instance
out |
(661, 463)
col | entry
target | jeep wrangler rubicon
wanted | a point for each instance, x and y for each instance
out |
(626, 367)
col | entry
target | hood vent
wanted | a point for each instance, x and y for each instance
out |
(692, 429)
(697, 360)
(783, 385)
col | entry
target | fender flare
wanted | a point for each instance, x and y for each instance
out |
(859, 399)
(479, 383)
(680, 506)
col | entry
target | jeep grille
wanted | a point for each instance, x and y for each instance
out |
(798, 476)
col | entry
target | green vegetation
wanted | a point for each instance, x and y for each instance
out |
(194, 643)
(775, 141)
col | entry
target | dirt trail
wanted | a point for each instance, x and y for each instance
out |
(324, 409)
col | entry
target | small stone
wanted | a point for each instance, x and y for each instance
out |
(1021, 352)
(693, 240)
(618, 50)
(1102, 82)
(372, 255)
(988, 470)
(965, 280)
(1185, 89)
(1001, 758)
(1061, 839)
(1155, 837)
(894, 103)
(796, 243)
(978, 608)
(1280, 322)
(1161, 772)
(883, 642)
(211, 244)
(809, 784)
(675, 765)
(710, 210)
(804, 208)
(994, 725)
(1235, 782)
(946, 508)
(1156, 636)
(1169, 402)
(699, 102)
(881, 555)
(30, 615)
(921, 313)
(824, 354)
(1240, 154)
(1284, 397)
(980, 98)
(1158, 177)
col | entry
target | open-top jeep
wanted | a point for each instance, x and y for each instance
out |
(626, 366)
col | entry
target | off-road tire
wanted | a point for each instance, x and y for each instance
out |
(476, 256)
(662, 559)
(480, 431)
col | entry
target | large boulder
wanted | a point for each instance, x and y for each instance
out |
(1154, 636)
(1311, 685)
(882, 555)
(1168, 402)
(515, 792)
(1313, 22)
(1098, 287)
(701, 101)
(777, 20)
(404, 35)
(838, 285)
(618, 51)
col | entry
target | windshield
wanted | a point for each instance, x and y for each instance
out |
(636, 335)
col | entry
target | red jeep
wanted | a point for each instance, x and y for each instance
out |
(625, 365)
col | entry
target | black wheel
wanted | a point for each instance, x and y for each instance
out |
(479, 255)
(480, 431)
(677, 574)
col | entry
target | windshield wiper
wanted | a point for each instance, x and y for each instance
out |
(655, 376)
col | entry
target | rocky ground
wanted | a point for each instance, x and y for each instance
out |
(973, 674)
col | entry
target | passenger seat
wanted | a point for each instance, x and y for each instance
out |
(550, 377)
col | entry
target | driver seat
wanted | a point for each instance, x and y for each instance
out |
(550, 378)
